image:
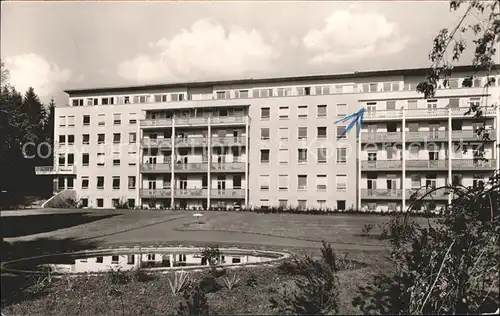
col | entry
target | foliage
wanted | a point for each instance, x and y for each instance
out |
(367, 229)
(118, 276)
(231, 281)
(66, 203)
(180, 282)
(194, 303)
(451, 266)
(142, 276)
(252, 281)
(122, 205)
(315, 287)
(212, 255)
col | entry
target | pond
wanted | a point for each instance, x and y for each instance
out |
(148, 258)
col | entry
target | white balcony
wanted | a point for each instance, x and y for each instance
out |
(467, 135)
(201, 167)
(51, 170)
(190, 142)
(194, 121)
(424, 113)
(428, 165)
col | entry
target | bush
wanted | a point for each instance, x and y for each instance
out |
(118, 276)
(231, 281)
(66, 203)
(213, 256)
(194, 303)
(122, 205)
(315, 287)
(367, 228)
(450, 267)
(181, 281)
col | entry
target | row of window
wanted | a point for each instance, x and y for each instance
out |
(413, 127)
(321, 132)
(302, 204)
(131, 183)
(453, 83)
(302, 111)
(69, 120)
(321, 182)
(302, 155)
(416, 181)
(114, 202)
(414, 152)
(101, 138)
(413, 104)
(68, 159)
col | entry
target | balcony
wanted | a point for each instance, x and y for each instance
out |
(428, 165)
(423, 113)
(381, 136)
(381, 193)
(156, 193)
(472, 135)
(194, 121)
(51, 170)
(424, 136)
(439, 194)
(201, 167)
(190, 142)
(190, 193)
(227, 193)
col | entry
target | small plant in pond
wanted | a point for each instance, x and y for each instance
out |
(180, 282)
(231, 281)
(118, 276)
(213, 256)
(194, 303)
(367, 228)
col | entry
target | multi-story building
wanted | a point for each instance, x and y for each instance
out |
(273, 142)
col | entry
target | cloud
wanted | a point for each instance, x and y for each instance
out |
(32, 70)
(206, 50)
(350, 35)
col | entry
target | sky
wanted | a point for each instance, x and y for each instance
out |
(54, 46)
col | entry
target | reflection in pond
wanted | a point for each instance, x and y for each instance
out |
(147, 258)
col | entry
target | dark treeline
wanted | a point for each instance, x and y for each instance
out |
(23, 119)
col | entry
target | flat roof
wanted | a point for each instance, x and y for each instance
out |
(198, 84)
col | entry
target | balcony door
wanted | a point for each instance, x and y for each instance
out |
(152, 184)
(433, 131)
(371, 183)
(221, 184)
(392, 186)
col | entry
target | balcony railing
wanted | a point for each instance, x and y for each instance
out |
(381, 193)
(457, 164)
(187, 142)
(423, 113)
(156, 193)
(51, 170)
(424, 136)
(194, 121)
(441, 194)
(381, 136)
(193, 167)
(472, 135)
(187, 193)
(227, 193)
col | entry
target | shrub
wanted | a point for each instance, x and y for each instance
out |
(65, 203)
(367, 228)
(231, 281)
(142, 276)
(448, 267)
(118, 276)
(181, 281)
(252, 281)
(122, 205)
(194, 303)
(213, 256)
(315, 287)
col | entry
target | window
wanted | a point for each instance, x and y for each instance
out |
(71, 139)
(302, 204)
(71, 159)
(453, 83)
(115, 202)
(341, 182)
(99, 259)
(86, 139)
(390, 105)
(320, 90)
(86, 120)
(77, 102)
(141, 98)
(160, 98)
(100, 159)
(100, 203)
(62, 121)
(282, 203)
(108, 100)
(132, 138)
(321, 203)
(371, 107)
(302, 132)
(302, 182)
(372, 156)
(264, 133)
(116, 161)
(223, 95)
(283, 133)
(85, 182)
(71, 121)
(321, 182)
(283, 112)
(283, 156)
(283, 182)
(457, 179)
(62, 139)
(265, 113)
(322, 152)
(341, 155)
(322, 110)
(340, 132)
(100, 182)
(62, 159)
(243, 94)
(341, 109)
(264, 203)
(117, 138)
(236, 182)
(114, 259)
(431, 181)
(321, 131)
(85, 159)
(117, 119)
(302, 155)
(454, 103)
(414, 150)
(116, 183)
(477, 181)
(264, 156)
(132, 155)
(341, 205)
(179, 96)
(302, 112)
(131, 203)
(264, 182)
(101, 138)
(93, 101)
(456, 125)
(132, 118)
(101, 119)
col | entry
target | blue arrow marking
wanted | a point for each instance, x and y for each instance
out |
(356, 119)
